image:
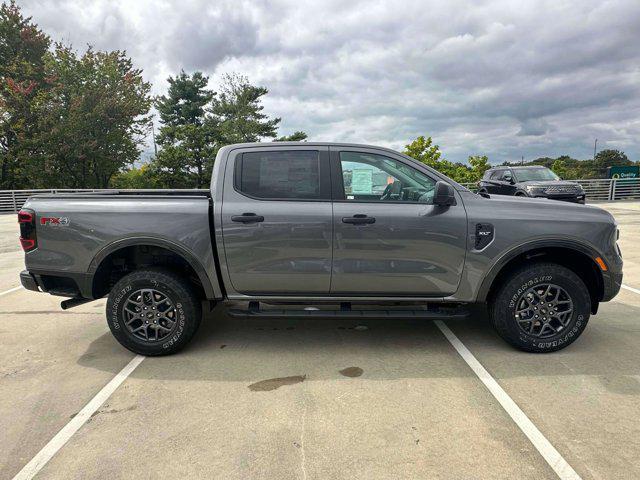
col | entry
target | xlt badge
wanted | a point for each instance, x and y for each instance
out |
(484, 235)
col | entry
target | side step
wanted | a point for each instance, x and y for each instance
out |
(252, 311)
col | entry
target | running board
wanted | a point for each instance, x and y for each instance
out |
(315, 313)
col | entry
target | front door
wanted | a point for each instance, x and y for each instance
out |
(276, 220)
(507, 183)
(389, 238)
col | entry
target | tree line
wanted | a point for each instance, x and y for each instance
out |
(72, 119)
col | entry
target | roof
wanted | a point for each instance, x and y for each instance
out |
(517, 167)
(308, 144)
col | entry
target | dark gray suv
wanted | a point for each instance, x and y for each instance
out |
(534, 181)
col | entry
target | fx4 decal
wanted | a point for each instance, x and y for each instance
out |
(54, 221)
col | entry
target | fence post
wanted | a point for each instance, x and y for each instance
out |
(614, 182)
(13, 198)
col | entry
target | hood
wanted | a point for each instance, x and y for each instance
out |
(550, 210)
(547, 183)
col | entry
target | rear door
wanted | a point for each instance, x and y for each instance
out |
(507, 181)
(277, 220)
(389, 238)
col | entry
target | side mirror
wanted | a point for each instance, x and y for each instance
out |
(509, 179)
(443, 195)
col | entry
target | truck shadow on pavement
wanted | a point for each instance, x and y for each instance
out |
(251, 350)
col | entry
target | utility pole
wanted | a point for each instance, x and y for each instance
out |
(153, 133)
(595, 144)
(522, 160)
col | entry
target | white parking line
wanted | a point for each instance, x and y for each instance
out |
(10, 290)
(631, 289)
(548, 451)
(63, 436)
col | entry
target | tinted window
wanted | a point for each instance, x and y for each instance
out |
(377, 178)
(496, 174)
(539, 174)
(287, 174)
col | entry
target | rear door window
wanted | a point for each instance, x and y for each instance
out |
(289, 174)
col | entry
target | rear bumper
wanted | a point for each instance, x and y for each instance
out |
(28, 281)
(66, 285)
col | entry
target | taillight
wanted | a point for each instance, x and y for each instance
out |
(27, 221)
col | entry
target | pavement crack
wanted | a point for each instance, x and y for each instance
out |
(303, 455)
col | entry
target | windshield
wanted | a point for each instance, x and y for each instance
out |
(539, 174)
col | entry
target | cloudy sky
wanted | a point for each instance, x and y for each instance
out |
(501, 78)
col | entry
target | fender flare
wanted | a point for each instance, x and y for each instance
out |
(496, 268)
(207, 285)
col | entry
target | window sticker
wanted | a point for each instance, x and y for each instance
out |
(362, 181)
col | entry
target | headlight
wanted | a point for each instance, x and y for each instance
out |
(535, 189)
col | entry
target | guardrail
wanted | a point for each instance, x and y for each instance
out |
(599, 189)
(12, 200)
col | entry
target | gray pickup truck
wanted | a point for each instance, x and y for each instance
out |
(320, 229)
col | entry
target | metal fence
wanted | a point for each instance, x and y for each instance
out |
(12, 200)
(601, 189)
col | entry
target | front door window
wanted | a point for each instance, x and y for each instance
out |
(376, 178)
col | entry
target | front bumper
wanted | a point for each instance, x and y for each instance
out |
(572, 199)
(611, 282)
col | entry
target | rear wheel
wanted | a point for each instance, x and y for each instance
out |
(541, 307)
(153, 312)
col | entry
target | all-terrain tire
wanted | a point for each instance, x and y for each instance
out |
(503, 307)
(139, 292)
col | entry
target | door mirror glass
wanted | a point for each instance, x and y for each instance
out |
(508, 178)
(444, 196)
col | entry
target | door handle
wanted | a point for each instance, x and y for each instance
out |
(358, 219)
(247, 218)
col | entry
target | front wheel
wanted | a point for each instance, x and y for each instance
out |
(541, 307)
(153, 312)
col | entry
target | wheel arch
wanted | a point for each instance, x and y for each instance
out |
(101, 258)
(574, 255)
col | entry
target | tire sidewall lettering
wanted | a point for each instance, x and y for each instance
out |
(115, 306)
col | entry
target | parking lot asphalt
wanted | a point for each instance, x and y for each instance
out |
(316, 399)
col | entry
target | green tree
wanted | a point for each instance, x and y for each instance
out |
(479, 165)
(92, 118)
(23, 47)
(559, 167)
(136, 178)
(187, 140)
(237, 112)
(609, 158)
(298, 136)
(423, 150)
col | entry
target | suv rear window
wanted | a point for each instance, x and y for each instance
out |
(291, 174)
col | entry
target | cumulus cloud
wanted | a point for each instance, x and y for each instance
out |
(502, 78)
